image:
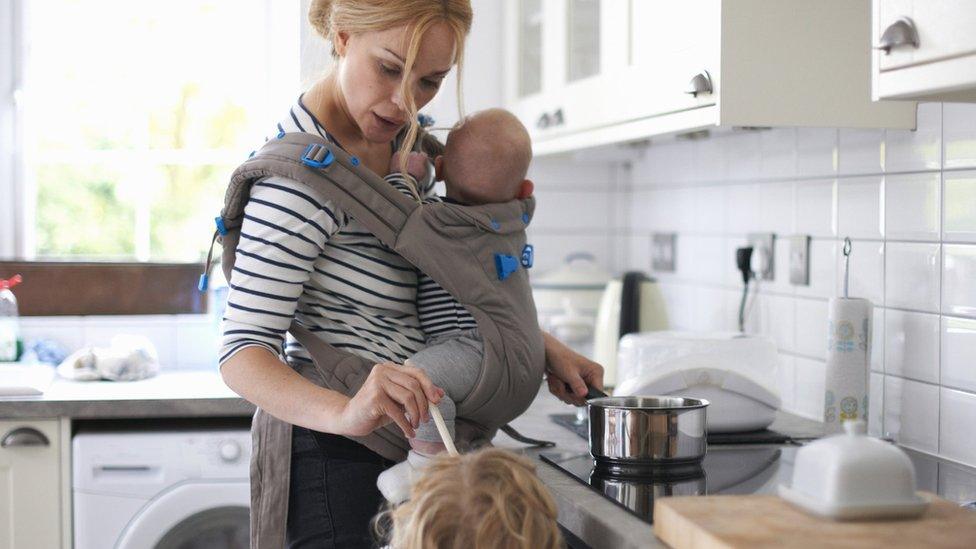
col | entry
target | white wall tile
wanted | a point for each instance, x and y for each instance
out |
(859, 207)
(816, 151)
(960, 206)
(196, 342)
(571, 210)
(912, 206)
(786, 381)
(876, 405)
(778, 153)
(159, 329)
(959, 353)
(912, 345)
(68, 331)
(912, 277)
(810, 387)
(911, 413)
(956, 426)
(710, 159)
(638, 252)
(778, 321)
(859, 151)
(710, 259)
(959, 295)
(562, 172)
(823, 270)
(867, 264)
(921, 149)
(813, 208)
(811, 328)
(743, 155)
(711, 209)
(742, 214)
(776, 208)
(959, 135)
(781, 268)
(710, 310)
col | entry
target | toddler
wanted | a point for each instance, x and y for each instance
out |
(485, 160)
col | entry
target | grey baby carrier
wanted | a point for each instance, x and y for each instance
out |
(477, 253)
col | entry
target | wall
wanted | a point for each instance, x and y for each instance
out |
(908, 201)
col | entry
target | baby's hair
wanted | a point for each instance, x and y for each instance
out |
(488, 153)
(490, 498)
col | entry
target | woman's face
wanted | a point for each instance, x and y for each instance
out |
(370, 72)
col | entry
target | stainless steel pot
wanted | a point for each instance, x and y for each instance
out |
(646, 431)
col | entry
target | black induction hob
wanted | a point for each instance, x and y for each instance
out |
(725, 470)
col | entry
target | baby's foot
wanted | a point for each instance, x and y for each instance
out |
(395, 482)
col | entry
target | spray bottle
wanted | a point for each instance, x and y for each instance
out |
(10, 344)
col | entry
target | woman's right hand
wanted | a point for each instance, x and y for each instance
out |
(391, 393)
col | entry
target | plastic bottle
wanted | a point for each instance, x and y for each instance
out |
(9, 321)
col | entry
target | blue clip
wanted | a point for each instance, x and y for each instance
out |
(353, 160)
(252, 154)
(528, 256)
(495, 225)
(505, 265)
(202, 285)
(281, 134)
(525, 218)
(221, 228)
(425, 120)
(313, 151)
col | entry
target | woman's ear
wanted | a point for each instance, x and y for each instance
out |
(439, 168)
(340, 42)
(526, 189)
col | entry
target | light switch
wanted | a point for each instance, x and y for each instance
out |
(800, 260)
(663, 252)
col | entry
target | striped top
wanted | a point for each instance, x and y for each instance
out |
(300, 257)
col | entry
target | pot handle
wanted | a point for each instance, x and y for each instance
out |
(593, 392)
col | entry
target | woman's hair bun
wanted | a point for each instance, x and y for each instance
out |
(319, 15)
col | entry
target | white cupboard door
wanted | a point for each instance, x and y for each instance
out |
(946, 30)
(30, 484)
(669, 44)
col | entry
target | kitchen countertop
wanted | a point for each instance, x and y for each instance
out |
(199, 393)
(582, 511)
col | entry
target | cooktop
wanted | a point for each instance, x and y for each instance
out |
(725, 470)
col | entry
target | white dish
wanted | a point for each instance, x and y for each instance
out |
(839, 511)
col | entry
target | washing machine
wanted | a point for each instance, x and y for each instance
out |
(165, 489)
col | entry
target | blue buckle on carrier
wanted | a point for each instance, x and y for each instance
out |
(528, 256)
(221, 228)
(505, 265)
(317, 156)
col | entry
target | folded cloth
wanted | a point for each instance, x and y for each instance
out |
(128, 358)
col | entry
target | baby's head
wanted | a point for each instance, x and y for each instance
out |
(486, 158)
(485, 499)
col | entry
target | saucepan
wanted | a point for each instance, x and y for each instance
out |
(639, 432)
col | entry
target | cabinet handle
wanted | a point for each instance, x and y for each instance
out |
(24, 436)
(900, 33)
(700, 84)
(543, 121)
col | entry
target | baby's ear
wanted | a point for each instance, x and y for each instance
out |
(438, 168)
(525, 189)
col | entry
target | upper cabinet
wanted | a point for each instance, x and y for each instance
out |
(581, 73)
(924, 49)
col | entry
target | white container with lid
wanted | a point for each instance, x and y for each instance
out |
(853, 476)
(567, 298)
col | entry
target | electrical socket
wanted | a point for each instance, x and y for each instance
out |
(762, 254)
(663, 252)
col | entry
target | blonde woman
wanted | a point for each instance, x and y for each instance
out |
(301, 258)
(489, 499)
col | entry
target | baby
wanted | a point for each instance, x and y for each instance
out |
(485, 499)
(485, 160)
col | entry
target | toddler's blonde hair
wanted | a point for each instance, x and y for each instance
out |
(490, 498)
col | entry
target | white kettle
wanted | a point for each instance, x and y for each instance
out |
(630, 304)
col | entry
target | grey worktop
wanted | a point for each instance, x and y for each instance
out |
(588, 515)
(169, 394)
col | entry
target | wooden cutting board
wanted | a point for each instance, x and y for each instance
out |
(767, 521)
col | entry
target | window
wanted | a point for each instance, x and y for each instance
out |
(132, 116)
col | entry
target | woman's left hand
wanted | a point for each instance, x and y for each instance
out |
(568, 372)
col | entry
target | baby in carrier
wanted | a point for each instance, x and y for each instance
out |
(485, 160)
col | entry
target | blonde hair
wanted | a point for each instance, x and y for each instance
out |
(328, 17)
(486, 499)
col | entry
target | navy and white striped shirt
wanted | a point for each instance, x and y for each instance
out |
(300, 257)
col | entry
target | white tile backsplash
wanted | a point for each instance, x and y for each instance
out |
(912, 276)
(906, 198)
(912, 206)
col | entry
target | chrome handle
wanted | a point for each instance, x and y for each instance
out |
(543, 121)
(700, 84)
(900, 33)
(24, 436)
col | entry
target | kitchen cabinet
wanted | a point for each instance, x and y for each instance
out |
(924, 50)
(582, 73)
(31, 498)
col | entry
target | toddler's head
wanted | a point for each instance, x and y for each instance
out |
(486, 158)
(486, 499)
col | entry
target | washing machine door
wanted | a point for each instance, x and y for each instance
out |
(211, 515)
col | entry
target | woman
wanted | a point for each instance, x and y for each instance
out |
(300, 258)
